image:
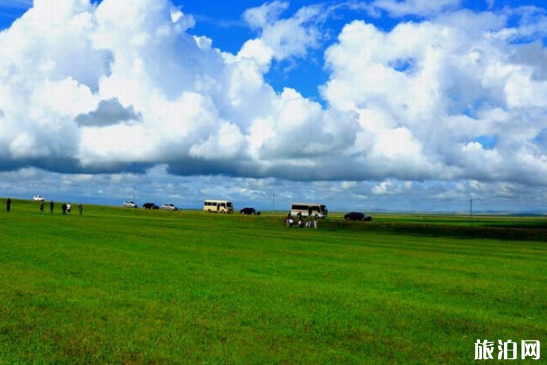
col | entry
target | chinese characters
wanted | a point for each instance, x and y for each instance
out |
(484, 350)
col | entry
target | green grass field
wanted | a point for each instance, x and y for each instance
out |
(122, 286)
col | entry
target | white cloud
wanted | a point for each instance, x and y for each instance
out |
(122, 86)
(229, 143)
(156, 184)
(392, 187)
(426, 91)
(266, 14)
(150, 93)
(289, 37)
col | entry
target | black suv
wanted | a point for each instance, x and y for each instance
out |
(357, 216)
(250, 211)
(150, 206)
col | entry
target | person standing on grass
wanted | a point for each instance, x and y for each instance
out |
(63, 207)
(41, 206)
(80, 208)
(51, 204)
(68, 207)
(8, 205)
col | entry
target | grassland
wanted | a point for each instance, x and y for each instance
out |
(117, 286)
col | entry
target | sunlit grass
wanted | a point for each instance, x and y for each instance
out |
(122, 286)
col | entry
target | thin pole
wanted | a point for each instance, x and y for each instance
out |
(471, 210)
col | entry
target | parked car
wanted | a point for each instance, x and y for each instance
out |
(38, 198)
(357, 216)
(130, 204)
(150, 206)
(169, 207)
(249, 211)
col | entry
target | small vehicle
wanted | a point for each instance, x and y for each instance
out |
(357, 216)
(150, 206)
(169, 207)
(249, 211)
(218, 206)
(38, 198)
(129, 204)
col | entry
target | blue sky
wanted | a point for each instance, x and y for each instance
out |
(363, 105)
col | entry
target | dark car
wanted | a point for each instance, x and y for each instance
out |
(357, 216)
(150, 206)
(250, 211)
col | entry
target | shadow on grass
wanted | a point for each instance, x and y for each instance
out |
(510, 232)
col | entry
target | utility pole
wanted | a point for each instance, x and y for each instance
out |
(273, 202)
(471, 210)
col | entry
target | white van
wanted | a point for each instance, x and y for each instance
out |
(218, 206)
(310, 210)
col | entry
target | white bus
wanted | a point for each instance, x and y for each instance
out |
(310, 210)
(218, 206)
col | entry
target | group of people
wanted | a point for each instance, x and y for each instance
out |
(289, 221)
(66, 207)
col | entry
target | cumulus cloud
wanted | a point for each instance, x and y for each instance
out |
(123, 85)
(426, 92)
(108, 112)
